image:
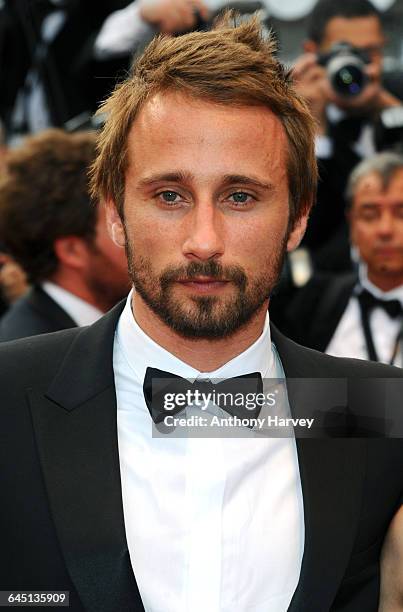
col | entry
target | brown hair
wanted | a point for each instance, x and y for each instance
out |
(44, 195)
(231, 65)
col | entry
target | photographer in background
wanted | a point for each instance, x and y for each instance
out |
(350, 115)
(60, 58)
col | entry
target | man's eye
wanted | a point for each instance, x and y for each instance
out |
(369, 215)
(241, 197)
(169, 197)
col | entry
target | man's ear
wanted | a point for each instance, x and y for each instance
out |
(71, 251)
(114, 223)
(297, 232)
(310, 46)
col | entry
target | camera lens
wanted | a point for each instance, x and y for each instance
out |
(349, 81)
(347, 74)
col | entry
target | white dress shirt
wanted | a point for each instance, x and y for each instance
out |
(79, 310)
(348, 339)
(212, 524)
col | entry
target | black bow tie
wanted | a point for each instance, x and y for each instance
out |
(368, 301)
(160, 385)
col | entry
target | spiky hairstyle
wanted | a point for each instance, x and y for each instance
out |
(233, 64)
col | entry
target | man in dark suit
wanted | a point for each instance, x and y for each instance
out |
(349, 127)
(360, 315)
(58, 236)
(208, 175)
(60, 58)
(48, 43)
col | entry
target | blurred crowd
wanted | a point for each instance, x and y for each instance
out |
(342, 290)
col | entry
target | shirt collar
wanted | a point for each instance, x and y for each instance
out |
(335, 114)
(393, 294)
(141, 352)
(79, 310)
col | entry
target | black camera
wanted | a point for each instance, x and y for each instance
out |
(345, 67)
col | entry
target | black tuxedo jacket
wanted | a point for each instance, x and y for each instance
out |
(61, 516)
(312, 315)
(35, 313)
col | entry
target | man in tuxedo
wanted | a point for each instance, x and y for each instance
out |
(206, 165)
(60, 58)
(361, 315)
(348, 127)
(59, 238)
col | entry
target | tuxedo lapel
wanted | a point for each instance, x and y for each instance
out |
(76, 432)
(332, 476)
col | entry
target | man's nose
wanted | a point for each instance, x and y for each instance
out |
(385, 225)
(204, 233)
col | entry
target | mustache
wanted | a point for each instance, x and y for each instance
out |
(212, 269)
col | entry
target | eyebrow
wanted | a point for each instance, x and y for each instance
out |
(240, 179)
(186, 177)
(172, 177)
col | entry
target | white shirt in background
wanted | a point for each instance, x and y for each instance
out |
(348, 339)
(80, 311)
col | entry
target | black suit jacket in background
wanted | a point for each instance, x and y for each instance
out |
(35, 313)
(61, 515)
(313, 312)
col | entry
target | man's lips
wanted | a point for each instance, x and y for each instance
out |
(388, 251)
(203, 283)
(202, 279)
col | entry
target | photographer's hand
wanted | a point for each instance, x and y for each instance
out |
(311, 82)
(171, 16)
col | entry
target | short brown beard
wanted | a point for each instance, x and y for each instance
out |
(204, 323)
